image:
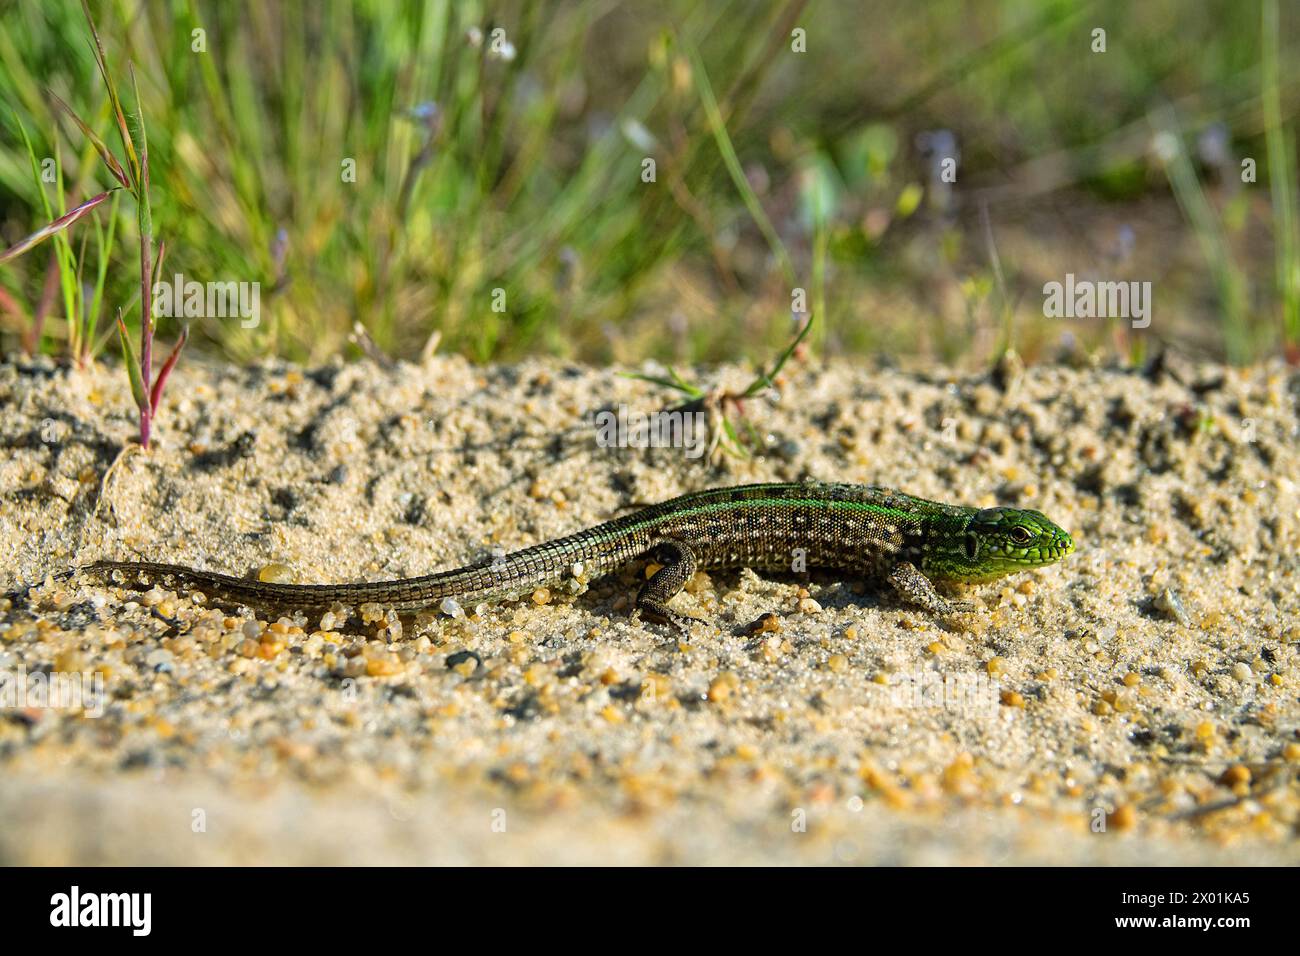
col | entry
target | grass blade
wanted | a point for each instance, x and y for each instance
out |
(132, 364)
(97, 48)
(766, 379)
(109, 159)
(732, 162)
(156, 395)
(54, 228)
(104, 248)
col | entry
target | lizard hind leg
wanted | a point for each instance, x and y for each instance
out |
(678, 563)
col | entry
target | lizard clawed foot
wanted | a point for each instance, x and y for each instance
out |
(658, 613)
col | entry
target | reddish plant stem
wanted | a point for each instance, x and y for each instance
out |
(146, 309)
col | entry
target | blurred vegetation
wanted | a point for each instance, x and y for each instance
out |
(500, 146)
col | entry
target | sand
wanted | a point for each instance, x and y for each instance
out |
(1136, 703)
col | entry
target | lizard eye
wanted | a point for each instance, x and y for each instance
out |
(1021, 535)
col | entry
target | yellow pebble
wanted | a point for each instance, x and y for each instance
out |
(722, 686)
(275, 574)
(1234, 775)
(1124, 818)
(383, 667)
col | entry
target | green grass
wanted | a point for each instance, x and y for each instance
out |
(480, 176)
(1280, 143)
(81, 317)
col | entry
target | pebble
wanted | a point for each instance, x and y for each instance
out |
(1169, 603)
(721, 687)
(276, 574)
(158, 658)
(1124, 817)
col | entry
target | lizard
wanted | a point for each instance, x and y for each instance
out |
(878, 533)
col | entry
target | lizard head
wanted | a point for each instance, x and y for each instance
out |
(999, 541)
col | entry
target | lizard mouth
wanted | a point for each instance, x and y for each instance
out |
(1048, 554)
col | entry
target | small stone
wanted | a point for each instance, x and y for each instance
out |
(461, 659)
(720, 687)
(385, 666)
(1235, 775)
(158, 658)
(276, 574)
(1123, 818)
(1169, 603)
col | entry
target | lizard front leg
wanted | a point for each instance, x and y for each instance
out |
(678, 562)
(916, 588)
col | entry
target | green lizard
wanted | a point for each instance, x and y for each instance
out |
(873, 532)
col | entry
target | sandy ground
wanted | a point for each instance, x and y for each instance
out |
(1136, 703)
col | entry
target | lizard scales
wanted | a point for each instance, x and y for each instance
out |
(877, 533)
